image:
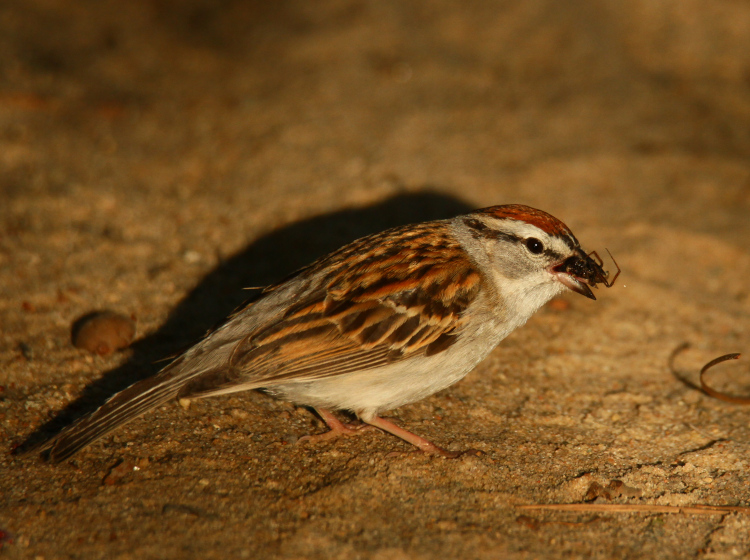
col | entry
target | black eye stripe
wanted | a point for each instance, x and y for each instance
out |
(547, 251)
(479, 229)
(553, 255)
(507, 237)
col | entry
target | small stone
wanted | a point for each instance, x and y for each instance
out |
(119, 471)
(103, 332)
(26, 351)
(559, 304)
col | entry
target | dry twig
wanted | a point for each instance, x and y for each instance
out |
(640, 508)
(710, 391)
(718, 394)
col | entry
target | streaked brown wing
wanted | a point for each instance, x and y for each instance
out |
(381, 301)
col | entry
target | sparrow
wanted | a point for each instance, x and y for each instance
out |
(382, 322)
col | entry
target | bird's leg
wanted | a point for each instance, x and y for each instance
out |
(414, 439)
(338, 428)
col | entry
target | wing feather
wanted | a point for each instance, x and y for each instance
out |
(369, 307)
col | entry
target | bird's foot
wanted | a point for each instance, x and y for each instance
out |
(337, 428)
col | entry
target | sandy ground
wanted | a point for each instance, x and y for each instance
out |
(157, 156)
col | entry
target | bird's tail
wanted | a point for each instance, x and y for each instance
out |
(121, 408)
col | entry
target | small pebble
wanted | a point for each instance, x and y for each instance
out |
(559, 304)
(26, 351)
(118, 472)
(103, 332)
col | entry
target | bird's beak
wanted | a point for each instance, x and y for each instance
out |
(579, 272)
(575, 284)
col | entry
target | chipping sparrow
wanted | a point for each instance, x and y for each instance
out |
(384, 321)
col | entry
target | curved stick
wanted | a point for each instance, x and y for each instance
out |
(718, 394)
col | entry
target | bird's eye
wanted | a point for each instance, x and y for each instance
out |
(534, 245)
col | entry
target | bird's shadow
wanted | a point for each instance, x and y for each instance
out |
(266, 260)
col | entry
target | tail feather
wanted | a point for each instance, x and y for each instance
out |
(202, 369)
(123, 407)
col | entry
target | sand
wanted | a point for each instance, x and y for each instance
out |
(157, 157)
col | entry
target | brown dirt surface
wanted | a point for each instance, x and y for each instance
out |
(157, 156)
